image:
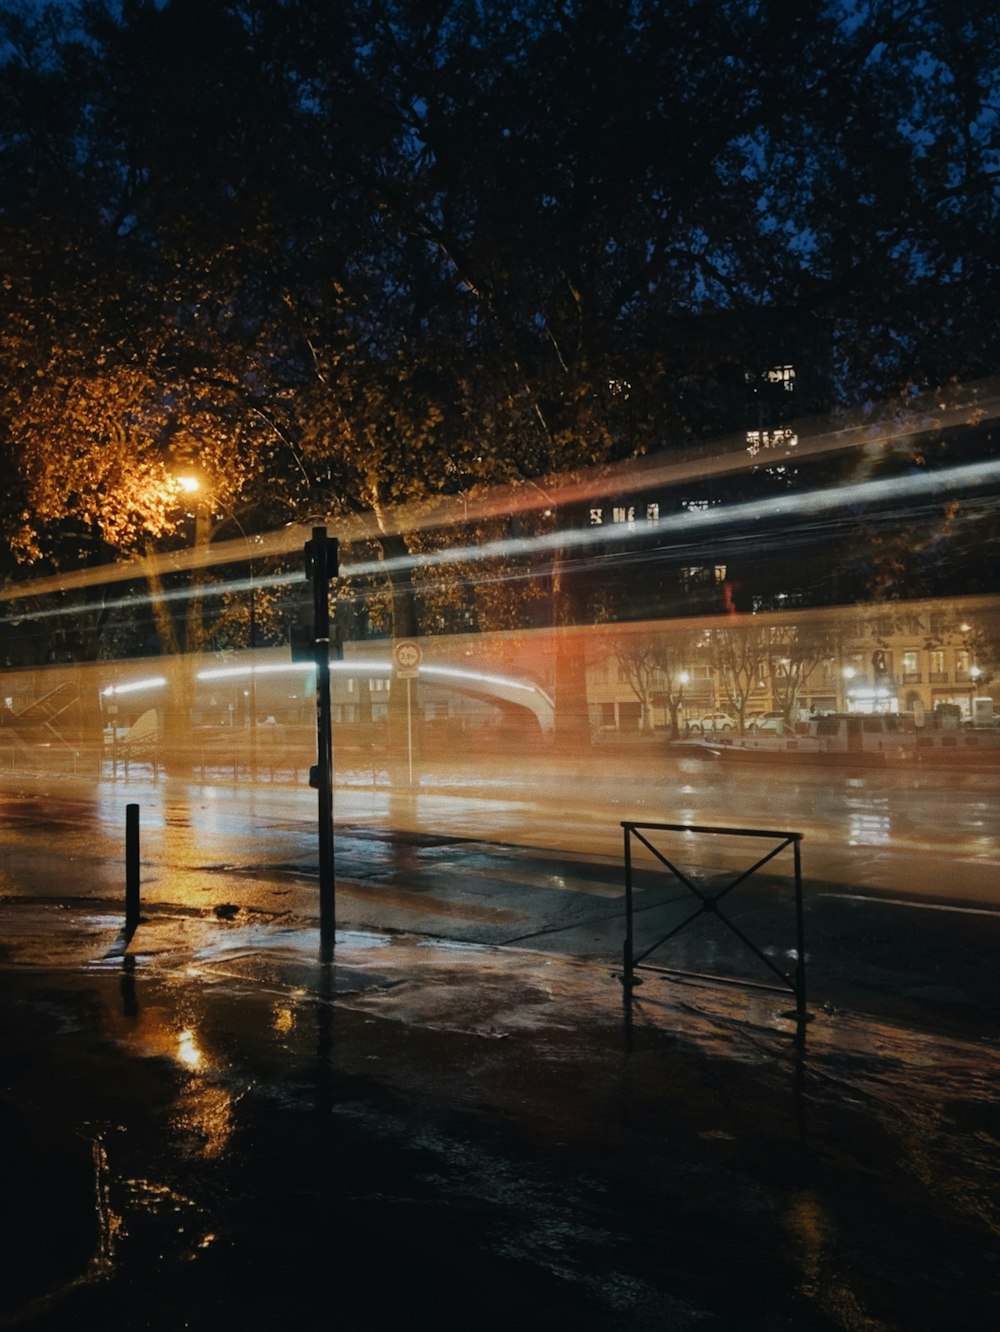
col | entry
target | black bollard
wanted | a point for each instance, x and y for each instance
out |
(131, 869)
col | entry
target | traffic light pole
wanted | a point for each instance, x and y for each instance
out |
(321, 566)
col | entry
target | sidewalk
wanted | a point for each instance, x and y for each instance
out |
(217, 1129)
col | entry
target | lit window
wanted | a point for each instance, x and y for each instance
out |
(695, 576)
(783, 375)
(783, 437)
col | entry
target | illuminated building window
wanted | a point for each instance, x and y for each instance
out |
(911, 667)
(783, 375)
(701, 575)
(626, 513)
(782, 437)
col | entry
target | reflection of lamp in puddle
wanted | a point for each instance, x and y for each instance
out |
(203, 1110)
(283, 1020)
(187, 1049)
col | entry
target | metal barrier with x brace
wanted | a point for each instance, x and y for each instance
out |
(794, 982)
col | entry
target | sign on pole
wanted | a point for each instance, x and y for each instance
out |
(407, 656)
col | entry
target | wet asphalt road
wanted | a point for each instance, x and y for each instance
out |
(901, 869)
(220, 1130)
(230, 1133)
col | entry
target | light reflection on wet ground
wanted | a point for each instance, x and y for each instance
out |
(252, 1122)
(869, 945)
(879, 829)
(222, 1110)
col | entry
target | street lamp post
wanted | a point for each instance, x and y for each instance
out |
(974, 674)
(848, 675)
(676, 702)
(191, 485)
(251, 641)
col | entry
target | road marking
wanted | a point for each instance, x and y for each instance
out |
(920, 906)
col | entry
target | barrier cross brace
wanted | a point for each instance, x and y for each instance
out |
(708, 903)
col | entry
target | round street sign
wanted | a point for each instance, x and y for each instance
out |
(407, 655)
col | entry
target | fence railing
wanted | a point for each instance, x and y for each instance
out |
(708, 903)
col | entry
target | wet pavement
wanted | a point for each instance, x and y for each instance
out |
(215, 1126)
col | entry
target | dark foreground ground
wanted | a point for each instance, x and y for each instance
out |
(220, 1130)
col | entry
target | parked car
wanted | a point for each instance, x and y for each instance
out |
(713, 721)
(768, 721)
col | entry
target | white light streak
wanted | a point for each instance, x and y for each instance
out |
(675, 530)
(454, 672)
(270, 668)
(357, 666)
(683, 525)
(134, 686)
